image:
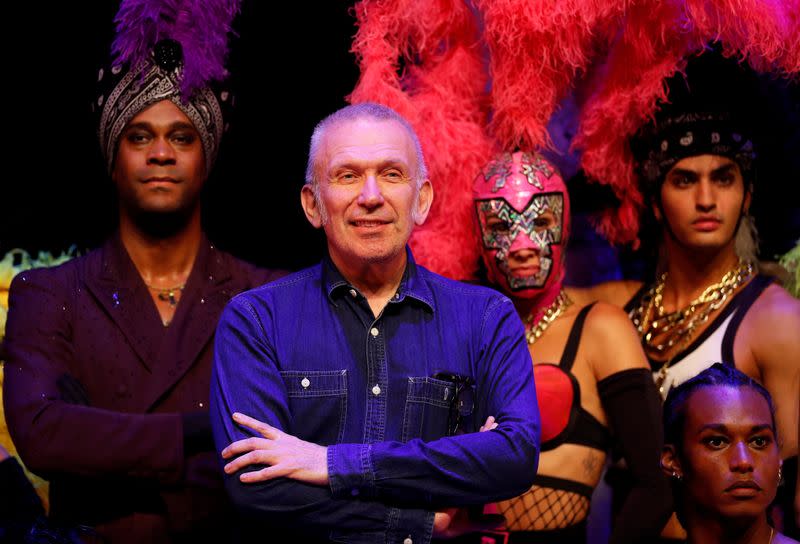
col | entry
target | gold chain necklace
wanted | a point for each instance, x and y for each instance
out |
(661, 331)
(556, 308)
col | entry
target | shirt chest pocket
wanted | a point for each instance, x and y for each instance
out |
(318, 404)
(427, 410)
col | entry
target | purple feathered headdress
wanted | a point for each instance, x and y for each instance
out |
(201, 27)
(167, 50)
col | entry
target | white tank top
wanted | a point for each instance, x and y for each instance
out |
(694, 362)
(715, 344)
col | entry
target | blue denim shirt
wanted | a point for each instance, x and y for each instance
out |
(306, 354)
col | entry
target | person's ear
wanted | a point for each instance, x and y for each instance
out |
(670, 464)
(424, 201)
(310, 206)
(748, 198)
(655, 206)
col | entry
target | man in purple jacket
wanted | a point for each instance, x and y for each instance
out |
(109, 355)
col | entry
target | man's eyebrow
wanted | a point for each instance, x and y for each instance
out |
(181, 125)
(355, 163)
(724, 169)
(395, 163)
(139, 126)
(143, 125)
(721, 427)
(762, 427)
(683, 172)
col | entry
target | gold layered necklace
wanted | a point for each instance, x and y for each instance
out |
(661, 331)
(551, 313)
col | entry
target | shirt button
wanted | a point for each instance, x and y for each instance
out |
(396, 296)
(374, 331)
(376, 390)
(353, 293)
(305, 382)
(408, 541)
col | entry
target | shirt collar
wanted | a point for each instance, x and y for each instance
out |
(413, 285)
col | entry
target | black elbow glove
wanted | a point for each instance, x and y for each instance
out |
(633, 406)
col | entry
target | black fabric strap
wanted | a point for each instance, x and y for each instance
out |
(562, 484)
(743, 300)
(574, 340)
(589, 432)
(584, 429)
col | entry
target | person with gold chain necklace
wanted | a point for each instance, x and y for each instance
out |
(592, 380)
(708, 303)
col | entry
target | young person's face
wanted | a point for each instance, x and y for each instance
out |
(160, 164)
(701, 201)
(729, 459)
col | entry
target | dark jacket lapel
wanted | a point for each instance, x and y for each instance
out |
(119, 289)
(192, 329)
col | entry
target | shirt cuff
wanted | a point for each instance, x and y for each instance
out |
(350, 471)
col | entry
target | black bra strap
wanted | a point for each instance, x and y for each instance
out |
(574, 340)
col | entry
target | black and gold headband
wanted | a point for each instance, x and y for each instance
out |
(664, 144)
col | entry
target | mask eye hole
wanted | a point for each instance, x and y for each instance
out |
(496, 225)
(546, 220)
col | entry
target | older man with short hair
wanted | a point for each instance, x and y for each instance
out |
(345, 397)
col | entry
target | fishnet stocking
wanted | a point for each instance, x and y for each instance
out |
(544, 508)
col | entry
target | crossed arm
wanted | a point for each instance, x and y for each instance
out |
(286, 456)
(355, 486)
(55, 430)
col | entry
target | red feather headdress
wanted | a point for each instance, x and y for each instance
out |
(475, 78)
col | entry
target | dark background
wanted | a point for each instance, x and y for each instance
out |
(56, 193)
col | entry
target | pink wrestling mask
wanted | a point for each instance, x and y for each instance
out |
(523, 214)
